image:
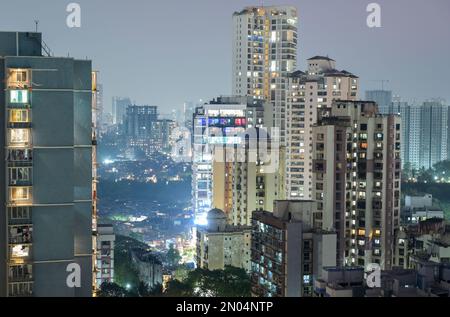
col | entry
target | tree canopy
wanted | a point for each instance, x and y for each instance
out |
(230, 282)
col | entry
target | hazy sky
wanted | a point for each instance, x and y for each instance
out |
(165, 52)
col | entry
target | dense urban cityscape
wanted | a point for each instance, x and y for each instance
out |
(296, 183)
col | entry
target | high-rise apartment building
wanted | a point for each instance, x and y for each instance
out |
(356, 177)
(119, 108)
(308, 93)
(425, 133)
(383, 98)
(48, 201)
(433, 133)
(218, 127)
(264, 53)
(139, 123)
(105, 254)
(287, 253)
(161, 133)
(410, 115)
(252, 176)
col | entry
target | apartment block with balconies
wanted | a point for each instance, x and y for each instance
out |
(356, 176)
(46, 142)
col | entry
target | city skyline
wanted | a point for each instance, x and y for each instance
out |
(299, 161)
(386, 52)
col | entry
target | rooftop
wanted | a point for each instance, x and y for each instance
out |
(317, 57)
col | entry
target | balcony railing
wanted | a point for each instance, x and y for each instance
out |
(18, 78)
(20, 195)
(20, 251)
(20, 234)
(19, 138)
(20, 289)
(20, 273)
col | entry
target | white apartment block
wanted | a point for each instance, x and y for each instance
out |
(308, 92)
(264, 53)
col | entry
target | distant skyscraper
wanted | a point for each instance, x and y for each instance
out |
(119, 108)
(48, 200)
(383, 98)
(264, 53)
(425, 133)
(139, 123)
(433, 133)
(161, 133)
(307, 94)
(356, 180)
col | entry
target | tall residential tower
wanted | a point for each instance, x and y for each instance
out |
(264, 53)
(308, 93)
(356, 176)
(47, 142)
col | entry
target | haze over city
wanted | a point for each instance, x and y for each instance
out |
(167, 52)
(225, 149)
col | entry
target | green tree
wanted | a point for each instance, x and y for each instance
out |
(177, 288)
(173, 256)
(425, 176)
(230, 282)
(112, 290)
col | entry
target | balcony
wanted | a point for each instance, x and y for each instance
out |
(20, 273)
(20, 155)
(20, 234)
(20, 195)
(18, 78)
(20, 252)
(19, 215)
(20, 176)
(19, 98)
(20, 289)
(19, 138)
(19, 118)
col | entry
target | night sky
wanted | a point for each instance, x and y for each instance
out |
(170, 51)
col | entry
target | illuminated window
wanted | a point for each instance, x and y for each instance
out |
(361, 232)
(19, 115)
(18, 137)
(18, 96)
(20, 194)
(273, 66)
(20, 251)
(18, 78)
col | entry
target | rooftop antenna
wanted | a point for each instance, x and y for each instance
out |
(36, 22)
